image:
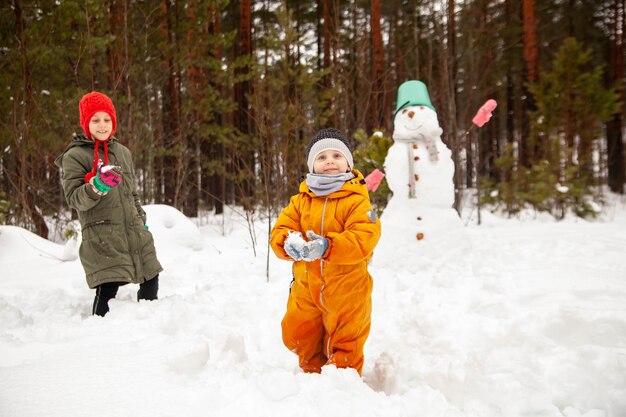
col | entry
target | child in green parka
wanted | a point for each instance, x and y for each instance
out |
(99, 183)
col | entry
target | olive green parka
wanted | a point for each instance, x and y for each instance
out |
(116, 247)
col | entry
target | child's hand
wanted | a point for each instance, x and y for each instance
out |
(315, 248)
(108, 177)
(293, 245)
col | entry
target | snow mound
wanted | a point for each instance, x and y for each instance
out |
(21, 245)
(169, 225)
(518, 317)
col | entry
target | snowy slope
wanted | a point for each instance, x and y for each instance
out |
(512, 318)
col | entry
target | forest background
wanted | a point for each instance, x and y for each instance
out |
(218, 99)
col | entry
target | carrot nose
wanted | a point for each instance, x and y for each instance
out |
(411, 114)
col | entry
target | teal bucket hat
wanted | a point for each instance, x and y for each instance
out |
(412, 93)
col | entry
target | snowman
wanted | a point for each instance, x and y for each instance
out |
(419, 170)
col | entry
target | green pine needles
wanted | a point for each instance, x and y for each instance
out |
(566, 133)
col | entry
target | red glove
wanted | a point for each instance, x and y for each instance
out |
(372, 181)
(484, 113)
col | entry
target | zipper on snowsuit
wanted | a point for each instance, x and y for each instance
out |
(322, 278)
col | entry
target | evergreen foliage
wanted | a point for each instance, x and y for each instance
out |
(370, 154)
(176, 71)
(287, 110)
(572, 105)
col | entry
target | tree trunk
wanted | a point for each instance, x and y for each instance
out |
(327, 30)
(531, 57)
(245, 161)
(193, 119)
(171, 122)
(352, 83)
(530, 40)
(615, 144)
(118, 68)
(486, 136)
(378, 62)
(416, 37)
(213, 185)
(24, 170)
(245, 32)
(115, 46)
(453, 140)
(510, 91)
(128, 131)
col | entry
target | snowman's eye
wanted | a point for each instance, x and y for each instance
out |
(403, 111)
(421, 107)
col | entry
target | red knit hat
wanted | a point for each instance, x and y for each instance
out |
(89, 105)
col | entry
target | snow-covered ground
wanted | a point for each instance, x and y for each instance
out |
(511, 318)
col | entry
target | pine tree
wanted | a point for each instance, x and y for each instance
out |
(369, 154)
(572, 105)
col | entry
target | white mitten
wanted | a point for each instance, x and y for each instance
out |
(315, 248)
(293, 245)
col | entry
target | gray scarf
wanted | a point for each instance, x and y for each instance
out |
(324, 184)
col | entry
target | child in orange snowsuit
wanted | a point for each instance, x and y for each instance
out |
(329, 308)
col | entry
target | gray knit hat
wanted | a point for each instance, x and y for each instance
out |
(326, 139)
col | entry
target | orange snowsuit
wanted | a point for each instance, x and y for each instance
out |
(329, 308)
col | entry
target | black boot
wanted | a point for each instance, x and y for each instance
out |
(149, 289)
(104, 293)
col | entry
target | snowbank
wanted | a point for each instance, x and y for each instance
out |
(512, 319)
